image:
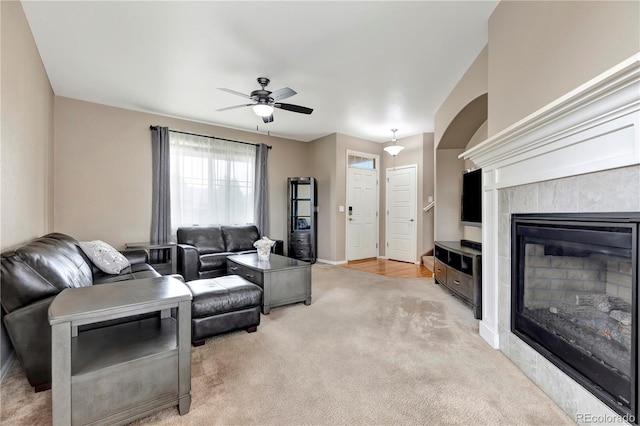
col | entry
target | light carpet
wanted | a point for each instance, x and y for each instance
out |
(369, 350)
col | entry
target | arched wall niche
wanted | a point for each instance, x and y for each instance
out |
(465, 124)
(448, 180)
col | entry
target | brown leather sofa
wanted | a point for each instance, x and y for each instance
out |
(203, 250)
(31, 276)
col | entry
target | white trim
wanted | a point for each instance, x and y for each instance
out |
(489, 335)
(331, 262)
(346, 216)
(610, 96)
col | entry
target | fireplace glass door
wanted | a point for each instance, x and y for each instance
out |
(574, 288)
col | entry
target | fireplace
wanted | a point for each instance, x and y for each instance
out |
(579, 153)
(574, 298)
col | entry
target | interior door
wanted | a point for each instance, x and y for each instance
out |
(362, 213)
(401, 224)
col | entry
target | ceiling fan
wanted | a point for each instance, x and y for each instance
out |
(265, 101)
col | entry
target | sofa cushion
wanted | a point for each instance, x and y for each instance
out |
(42, 268)
(209, 262)
(207, 239)
(240, 238)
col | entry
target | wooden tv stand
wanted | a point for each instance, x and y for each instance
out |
(459, 269)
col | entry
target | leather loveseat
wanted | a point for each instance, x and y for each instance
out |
(31, 276)
(203, 250)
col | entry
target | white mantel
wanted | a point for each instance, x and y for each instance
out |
(590, 129)
(580, 153)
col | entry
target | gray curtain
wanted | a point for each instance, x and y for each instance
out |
(261, 199)
(161, 200)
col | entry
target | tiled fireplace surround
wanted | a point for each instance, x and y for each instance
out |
(581, 153)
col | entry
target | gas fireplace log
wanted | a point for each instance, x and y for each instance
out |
(596, 321)
(603, 302)
(623, 317)
(584, 338)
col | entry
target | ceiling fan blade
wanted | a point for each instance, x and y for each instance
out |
(294, 108)
(283, 93)
(234, 107)
(233, 92)
(268, 119)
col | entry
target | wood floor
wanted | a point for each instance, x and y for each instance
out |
(390, 268)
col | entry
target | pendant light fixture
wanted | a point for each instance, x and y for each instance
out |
(395, 148)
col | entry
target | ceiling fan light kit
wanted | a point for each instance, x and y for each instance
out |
(395, 148)
(265, 101)
(263, 110)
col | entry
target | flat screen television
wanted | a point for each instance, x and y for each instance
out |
(471, 208)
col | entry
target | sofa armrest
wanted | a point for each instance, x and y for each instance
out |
(278, 247)
(188, 262)
(177, 277)
(136, 256)
(30, 333)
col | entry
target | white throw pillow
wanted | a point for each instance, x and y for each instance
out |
(104, 256)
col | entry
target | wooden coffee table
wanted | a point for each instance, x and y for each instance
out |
(284, 280)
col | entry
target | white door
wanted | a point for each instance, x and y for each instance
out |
(362, 213)
(401, 226)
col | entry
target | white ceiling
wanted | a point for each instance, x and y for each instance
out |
(364, 67)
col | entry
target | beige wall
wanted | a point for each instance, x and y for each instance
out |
(428, 189)
(540, 50)
(322, 166)
(26, 141)
(27, 134)
(473, 83)
(448, 168)
(103, 170)
(448, 187)
(537, 52)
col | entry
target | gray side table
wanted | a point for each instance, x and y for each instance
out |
(121, 372)
(283, 280)
(171, 266)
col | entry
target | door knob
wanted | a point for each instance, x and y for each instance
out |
(410, 220)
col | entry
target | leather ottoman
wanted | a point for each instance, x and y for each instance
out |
(223, 304)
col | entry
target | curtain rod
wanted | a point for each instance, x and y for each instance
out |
(211, 137)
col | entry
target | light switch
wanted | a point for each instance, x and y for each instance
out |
(341, 209)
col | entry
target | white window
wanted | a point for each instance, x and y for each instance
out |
(361, 162)
(212, 181)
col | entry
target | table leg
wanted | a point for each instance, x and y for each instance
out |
(61, 373)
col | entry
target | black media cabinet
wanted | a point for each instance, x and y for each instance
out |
(458, 268)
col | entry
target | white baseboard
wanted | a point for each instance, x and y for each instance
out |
(385, 258)
(331, 262)
(491, 336)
